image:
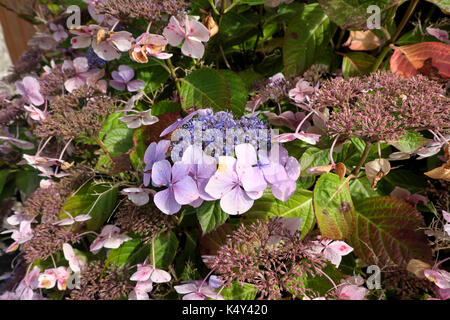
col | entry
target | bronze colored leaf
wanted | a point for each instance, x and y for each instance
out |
(407, 60)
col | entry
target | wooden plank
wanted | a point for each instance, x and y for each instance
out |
(17, 32)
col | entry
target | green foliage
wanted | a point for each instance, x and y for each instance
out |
(211, 216)
(306, 37)
(333, 207)
(387, 232)
(300, 205)
(237, 291)
(97, 200)
(219, 90)
(313, 157)
(357, 64)
(444, 5)
(166, 246)
(121, 255)
(353, 13)
(410, 142)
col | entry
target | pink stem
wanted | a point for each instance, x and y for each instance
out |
(53, 259)
(41, 149)
(64, 150)
(440, 262)
(153, 253)
(115, 25)
(203, 282)
(304, 120)
(148, 28)
(331, 151)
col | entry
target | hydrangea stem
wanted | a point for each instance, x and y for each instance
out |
(363, 158)
(174, 76)
(103, 147)
(409, 11)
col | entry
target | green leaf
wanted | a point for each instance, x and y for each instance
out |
(96, 200)
(300, 205)
(235, 28)
(165, 249)
(238, 92)
(404, 179)
(321, 284)
(218, 90)
(137, 155)
(119, 140)
(237, 292)
(165, 106)
(313, 157)
(250, 2)
(249, 76)
(409, 142)
(353, 13)
(154, 77)
(27, 181)
(211, 216)
(444, 5)
(387, 232)
(121, 255)
(357, 64)
(116, 136)
(361, 188)
(3, 178)
(333, 207)
(307, 35)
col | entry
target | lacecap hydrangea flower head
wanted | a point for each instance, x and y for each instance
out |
(217, 157)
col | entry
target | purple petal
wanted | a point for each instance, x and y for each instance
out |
(185, 191)
(236, 201)
(252, 179)
(149, 156)
(165, 201)
(135, 85)
(284, 190)
(293, 168)
(126, 73)
(246, 155)
(161, 173)
(117, 85)
(161, 149)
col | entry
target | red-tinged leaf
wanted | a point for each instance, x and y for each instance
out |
(407, 60)
(387, 232)
(333, 207)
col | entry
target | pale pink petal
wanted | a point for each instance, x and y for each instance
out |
(142, 274)
(193, 49)
(81, 64)
(185, 288)
(236, 202)
(160, 276)
(165, 201)
(185, 191)
(74, 84)
(194, 296)
(105, 51)
(174, 32)
(82, 41)
(122, 40)
(340, 247)
(196, 31)
(352, 292)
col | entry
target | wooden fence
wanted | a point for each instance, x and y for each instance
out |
(16, 31)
